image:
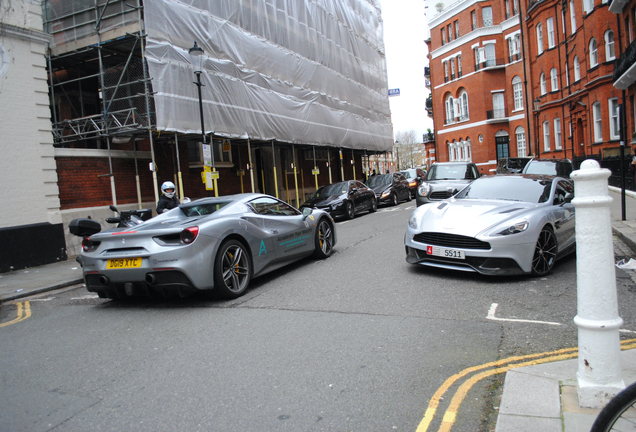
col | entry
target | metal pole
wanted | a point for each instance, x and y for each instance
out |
(295, 176)
(137, 175)
(249, 151)
(315, 168)
(341, 165)
(353, 163)
(176, 142)
(275, 177)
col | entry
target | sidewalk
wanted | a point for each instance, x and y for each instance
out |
(535, 398)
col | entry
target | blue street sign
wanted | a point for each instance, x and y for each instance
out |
(394, 92)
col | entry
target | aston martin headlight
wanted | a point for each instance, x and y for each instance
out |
(516, 228)
(413, 221)
(424, 189)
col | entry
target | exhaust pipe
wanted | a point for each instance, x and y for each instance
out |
(151, 278)
(104, 280)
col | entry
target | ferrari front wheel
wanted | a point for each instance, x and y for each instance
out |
(324, 239)
(544, 253)
(232, 269)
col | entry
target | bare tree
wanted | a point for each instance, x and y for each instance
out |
(407, 146)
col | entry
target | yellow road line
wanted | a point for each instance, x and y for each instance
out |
(24, 312)
(556, 355)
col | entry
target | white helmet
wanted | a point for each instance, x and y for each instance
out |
(168, 185)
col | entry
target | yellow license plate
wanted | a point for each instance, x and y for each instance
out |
(123, 263)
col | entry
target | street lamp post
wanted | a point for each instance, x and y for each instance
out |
(196, 57)
(537, 106)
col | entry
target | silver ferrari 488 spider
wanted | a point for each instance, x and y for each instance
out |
(496, 225)
(216, 244)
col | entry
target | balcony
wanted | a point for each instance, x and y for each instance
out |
(497, 115)
(427, 71)
(625, 68)
(514, 57)
(427, 83)
(428, 138)
(490, 63)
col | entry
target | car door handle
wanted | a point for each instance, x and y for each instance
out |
(557, 223)
(274, 231)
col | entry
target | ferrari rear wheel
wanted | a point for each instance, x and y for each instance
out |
(544, 253)
(324, 239)
(232, 269)
(350, 210)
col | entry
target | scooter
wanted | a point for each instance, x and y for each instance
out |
(85, 227)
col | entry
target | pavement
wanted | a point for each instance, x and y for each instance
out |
(540, 397)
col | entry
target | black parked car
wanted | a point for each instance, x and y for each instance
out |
(343, 199)
(511, 165)
(414, 176)
(445, 179)
(555, 167)
(390, 188)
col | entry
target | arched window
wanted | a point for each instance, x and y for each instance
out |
(554, 80)
(463, 106)
(469, 151)
(609, 46)
(593, 53)
(450, 112)
(451, 151)
(517, 91)
(544, 90)
(539, 38)
(460, 148)
(520, 133)
(577, 69)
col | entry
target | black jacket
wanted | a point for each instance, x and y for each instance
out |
(166, 203)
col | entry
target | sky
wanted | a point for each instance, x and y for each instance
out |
(404, 33)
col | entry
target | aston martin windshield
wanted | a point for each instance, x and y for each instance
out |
(203, 208)
(331, 190)
(508, 188)
(380, 180)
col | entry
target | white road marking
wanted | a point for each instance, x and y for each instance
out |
(42, 299)
(493, 308)
(86, 297)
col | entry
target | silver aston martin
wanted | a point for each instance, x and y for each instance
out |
(216, 244)
(497, 225)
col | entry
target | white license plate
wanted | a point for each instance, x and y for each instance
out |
(444, 252)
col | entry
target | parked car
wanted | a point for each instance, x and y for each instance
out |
(511, 165)
(211, 245)
(390, 188)
(414, 176)
(497, 225)
(343, 199)
(445, 179)
(556, 167)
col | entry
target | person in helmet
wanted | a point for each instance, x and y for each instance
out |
(167, 201)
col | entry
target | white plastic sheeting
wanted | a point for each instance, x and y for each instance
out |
(298, 71)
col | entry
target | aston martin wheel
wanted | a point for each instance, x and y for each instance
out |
(350, 212)
(324, 239)
(232, 269)
(374, 206)
(544, 253)
(394, 199)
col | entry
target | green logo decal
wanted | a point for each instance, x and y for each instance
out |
(263, 249)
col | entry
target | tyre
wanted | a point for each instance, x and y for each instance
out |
(350, 211)
(232, 269)
(374, 206)
(324, 239)
(394, 199)
(544, 253)
(619, 413)
(408, 196)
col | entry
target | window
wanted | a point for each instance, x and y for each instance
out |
(477, 60)
(473, 18)
(520, 133)
(542, 84)
(554, 80)
(507, 9)
(459, 66)
(598, 127)
(450, 33)
(271, 206)
(572, 16)
(567, 74)
(463, 106)
(609, 46)
(450, 109)
(499, 110)
(452, 62)
(615, 125)
(593, 53)
(588, 6)
(550, 24)
(515, 6)
(445, 71)
(456, 29)
(517, 91)
(539, 38)
(557, 134)
(451, 151)
(486, 15)
(577, 69)
(490, 55)
(444, 36)
(546, 136)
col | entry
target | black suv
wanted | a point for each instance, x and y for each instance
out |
(414, 176)
(445, 179)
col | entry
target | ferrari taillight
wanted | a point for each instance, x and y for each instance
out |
(189, 234)
(87, 244)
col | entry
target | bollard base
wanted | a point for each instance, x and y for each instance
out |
(592, 395)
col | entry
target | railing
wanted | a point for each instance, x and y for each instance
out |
(488, 22)
(94, 126)
(452, 76)
(514, 57)
(428, 138)
(445, 79)
(490, 63)
(625, 61)
(497, 114)
(459, 74)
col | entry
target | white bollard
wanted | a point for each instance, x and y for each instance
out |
(599, 373)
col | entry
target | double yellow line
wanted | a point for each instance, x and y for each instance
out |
(24, 312)
(494, 368)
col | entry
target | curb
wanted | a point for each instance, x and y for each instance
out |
(28, 293)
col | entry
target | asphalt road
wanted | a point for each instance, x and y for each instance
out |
(357, 342)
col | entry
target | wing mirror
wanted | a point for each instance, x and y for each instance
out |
(306, 212)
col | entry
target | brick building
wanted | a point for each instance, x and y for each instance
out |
(537, 76)
(477, 83)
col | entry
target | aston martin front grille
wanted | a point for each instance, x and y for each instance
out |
(451, 241)
(440, 195)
